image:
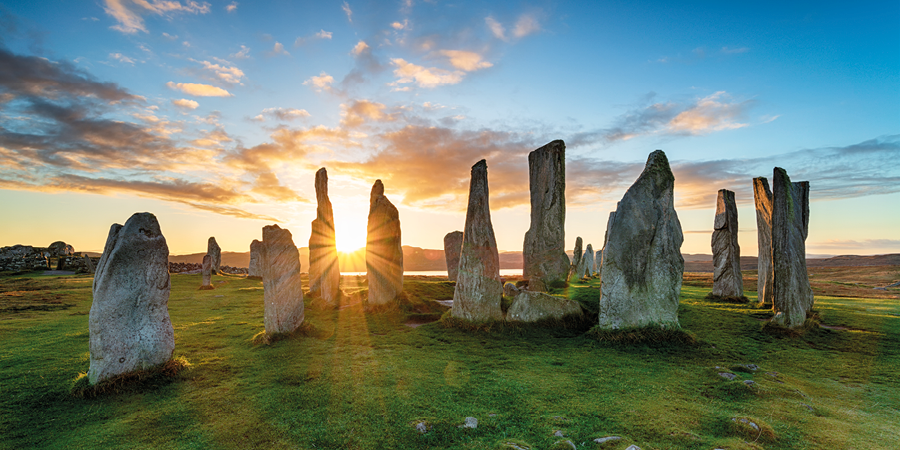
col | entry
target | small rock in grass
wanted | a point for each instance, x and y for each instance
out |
(752, 367)
(807, 406)
(492, 415)
(511, 445)
(727, 375)
(749, 382)
(421, 427)
(745, 421)
(606, 439)
(471, 422)
(564, 444)
(633, 447)
(558, 433)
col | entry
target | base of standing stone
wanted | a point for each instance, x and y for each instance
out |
(136, 380)
(654, 333)
(776, 326)
(207, 288)
(727, 299)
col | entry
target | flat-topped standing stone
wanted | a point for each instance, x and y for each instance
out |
(324, 272)
(544, 253)
(577, 254)
(790, 221)
(478, 288)
(283, 292)
(254, 270)
(642, 263)
(384, 255)
(587, 261)
(762, 197)
(207, 273)
(129, 322)
(452, 247)
(727, 281)
(214, 252)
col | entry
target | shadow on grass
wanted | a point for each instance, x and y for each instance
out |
(137, 381)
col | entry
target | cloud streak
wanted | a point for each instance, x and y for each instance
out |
(199, 90)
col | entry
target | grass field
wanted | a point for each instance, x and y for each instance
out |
(364, 381)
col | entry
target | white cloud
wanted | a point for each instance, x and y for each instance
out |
(399, 26)
(232, 7)
(227, 74)
(199, 90)
(128, 13)
(322, 34)
(527, 24)
(185, 103)
(321, 82)
(278, 49)
(244, 53)
(360, 47)
(463, 60)
(709, 114)
(170, 37)
(283, 114)
(495, 27)
(122, 58)
(347, 11)
(424, 77)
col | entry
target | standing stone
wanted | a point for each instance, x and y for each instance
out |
(452, 247)
(282, 290)
(214, 252)
(609, 222)
(727, 279)
(324, 273)
(88, 263)
(207, 273)
(544, 253)
(598, 255)
(129, 322)
(577, 254)
(790, 222)
(762, 197)
(384, 254)
(478, 287)
(587, 261)
(254, 270)
(642, 263)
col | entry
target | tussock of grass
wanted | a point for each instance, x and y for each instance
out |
(305, 329)
(207, 288)
(137, 381)
(744, 427)
(576, 324)
(813, 319)
(727, 299)
(652, 334)
(513, 444)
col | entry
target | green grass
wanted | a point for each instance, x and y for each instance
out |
(357, 380)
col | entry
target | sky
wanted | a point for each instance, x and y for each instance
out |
(216, 115)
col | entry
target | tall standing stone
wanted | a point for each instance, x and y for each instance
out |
(478, 288)
(544, 253)
(587, 261)
(452, 247)
(384, 254)
(214, 252)
(609, 223)
(282, 290)
(642, 264)
(762, 197)
(324, 273)
(206, 270)
(254, 269)
(790, 222)
(598, 255)
(577, 254)
(129, 321)
(727, 279)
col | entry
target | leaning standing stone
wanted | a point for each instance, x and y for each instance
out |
(88, 263)
(762, 197)
(384, 254)
(544, 253)
(727, 281)
(478, 288)
(452, 246)
(207, 273)
(214, 252)
(642, 263)
(790, 222)
(254, 270)
(282, 290)
(324, 273)
(577, 254)
(129, 322)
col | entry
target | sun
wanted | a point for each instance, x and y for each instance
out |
(349, 231)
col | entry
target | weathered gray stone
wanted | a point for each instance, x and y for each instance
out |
(478, 289)
(255, 270)
(727, 280)
(88, 263)
(642, 263)
(544, 252)
(530, 306)
(598, 257)
(587, 261)
(790, 221)
(215, 253)
(606, 439)
(324, 272)
(282, 289)
(60, 248)
(452, 247)
(384, 255)
(471, 422)
(510, 290)
(206, 272)
(129, 321)
(577, 254)
(762, 197)
(609, 222)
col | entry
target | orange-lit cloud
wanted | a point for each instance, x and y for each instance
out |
(425, 77)
(185, 103)
(199, 90)
(128, 13)
(361, 111)
(463, 60)
(221, 73)
(322, 82)
(709, 114)
(360, 47)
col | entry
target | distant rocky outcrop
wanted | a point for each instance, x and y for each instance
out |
(215, 253)
(544, 254)
(282, 289)
(727, 279)
(642, 264)
(129, 321)
(384, 255)
(452, 247)
(324, 273)
(478, 290)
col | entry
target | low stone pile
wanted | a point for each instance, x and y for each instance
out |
(24, 258)
(182, 267)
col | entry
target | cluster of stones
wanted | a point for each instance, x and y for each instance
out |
(24, 258)
(195, 268)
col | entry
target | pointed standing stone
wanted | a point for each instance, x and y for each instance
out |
(544, 253)
(727, 281)
(642, 264)
(384, 254)
(282, 289)
(587, 261)
(762, 197)
(88, 263)
(790, 221)
(254, 270)
(324, 273)
(577, 254)
(478, 288)
(207, 273)
(129, 322)
(214, 252)
(609, 223)
(452, 247)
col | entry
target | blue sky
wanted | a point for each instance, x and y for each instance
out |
(216, 115)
